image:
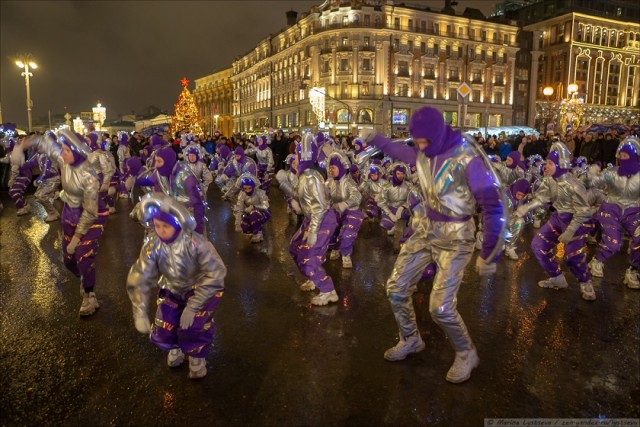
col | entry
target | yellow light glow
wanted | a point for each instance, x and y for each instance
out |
(572, 88)
(33, 65)
(20, 64)
(547, 91)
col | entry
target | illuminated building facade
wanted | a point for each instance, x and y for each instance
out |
(376, 61)
(214, 97)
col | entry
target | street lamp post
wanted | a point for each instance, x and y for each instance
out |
(25, 62)
(548, 91)
(216, 117)
(304, 86)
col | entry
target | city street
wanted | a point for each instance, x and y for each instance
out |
(278, 361)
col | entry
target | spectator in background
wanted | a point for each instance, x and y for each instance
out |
(578, 139)
(590, 149)
(515, 144)
(135, 144)
(278, 147)
(609, 148)
(540, 146)
(491, 147)
(504, 148)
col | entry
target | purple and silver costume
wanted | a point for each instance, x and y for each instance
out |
(190, 274)
(454, 179)
(252, 209)
(345, 199)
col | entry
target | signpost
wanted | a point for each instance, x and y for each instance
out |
(463, 90)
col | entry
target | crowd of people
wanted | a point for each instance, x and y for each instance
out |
(430, 193)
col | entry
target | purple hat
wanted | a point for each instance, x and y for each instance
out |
(157, 141)
(353, 169)
(335, 161)
(630, 166)
(515, 157)
(224, 151)
(133, 165)
(521, 185)
(394, 178)
(554, 156)
(247, 180)
(428, 122)
(124, 139)
(93, 138)
(169, 219)
(320, 138)
(192, 149)
(169, 156)
(76, 143)
(239, 151)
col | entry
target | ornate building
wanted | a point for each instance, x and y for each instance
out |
(370, 63)
(214, 97)
(586, 52)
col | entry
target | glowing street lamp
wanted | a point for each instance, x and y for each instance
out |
(572, 88)
(547, 91)
(216, 117)
(26, 62)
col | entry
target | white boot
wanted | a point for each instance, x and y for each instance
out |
(324, 298)
(24, 210)
(587, 292)
(52, 217)
(557, 282)
(463, 364)
(405, 347)
(631, 278)
(597, 267)
(307, 286)
(346, 262)
(197, 367)
(537, 223)
(175, 358)
(334, 255)
(112, 209)
(89, 304)
(390, 232)
(257, 238)
(510, 252)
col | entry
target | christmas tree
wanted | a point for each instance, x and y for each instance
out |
(186, 116)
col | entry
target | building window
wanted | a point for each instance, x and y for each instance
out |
(436, 28)
(342, 115)
(367, 20)
(453, 94)
(410, 24)
(447, 50)
(366, 42)
(410, 46)
(497, 98)
(365, 88)
(495, 120)
(344, 89)
(484, 35)
(403, 68)
(365, 115)
(344, 64)
(436, 49)
(377, 21)
(404, 90)
(366, 64)
(475, 96)
(345, 41)
(460, 31)
(423, 26)
(450, 117)
(345, 20)
(429, 72)
(499, 78)
(423, 47)
(325, 66)
(396, 23)
(396, 44)
(453, 73)
(428, 92)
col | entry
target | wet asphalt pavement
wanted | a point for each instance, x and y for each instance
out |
(276, 360)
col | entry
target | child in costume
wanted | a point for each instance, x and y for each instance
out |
(252, 208)
(309, 244)
(345, 200)
(190, 274)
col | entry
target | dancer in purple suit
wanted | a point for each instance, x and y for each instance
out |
(569, 224)
(455, 178)
(175, 179)
(620, 210)
(309, 244)
(252, 208)
(345, 199)
(81, 223)
(48, 183)
(190, 274)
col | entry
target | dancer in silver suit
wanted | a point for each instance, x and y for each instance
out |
(345, 199)
(82, 223)
(620, 209)
(454, 178)
(569, 224)
(190, 275)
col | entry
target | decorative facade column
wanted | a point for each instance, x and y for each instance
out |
(533, 87)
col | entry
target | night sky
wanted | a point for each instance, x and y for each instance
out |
(130, 54)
